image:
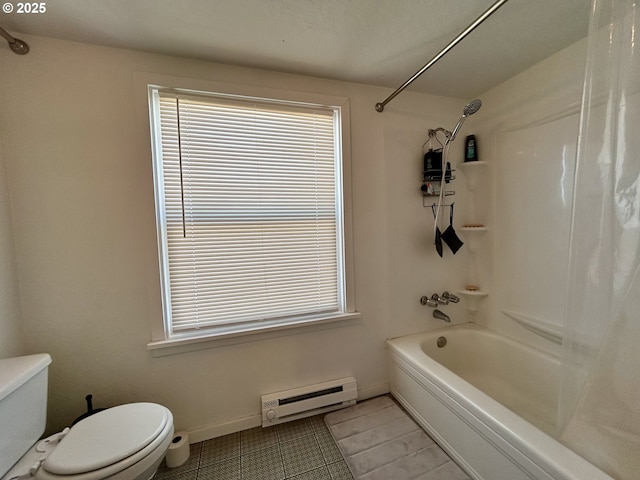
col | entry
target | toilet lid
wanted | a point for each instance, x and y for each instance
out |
(106, 438)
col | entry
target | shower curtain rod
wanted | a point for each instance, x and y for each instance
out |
(380, 106)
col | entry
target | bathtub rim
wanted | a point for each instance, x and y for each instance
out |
(549, 454)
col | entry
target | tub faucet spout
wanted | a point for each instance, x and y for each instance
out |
(441, 316)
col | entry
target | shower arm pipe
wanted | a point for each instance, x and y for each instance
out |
(7, 36)
(17, 46)
(487, 13)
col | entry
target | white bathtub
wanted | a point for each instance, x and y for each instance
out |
(489, 401)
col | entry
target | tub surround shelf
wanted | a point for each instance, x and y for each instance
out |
(548, 330)
(473, 293)
(472, 171)
(472, 164)
(472, 234)
(472, 299)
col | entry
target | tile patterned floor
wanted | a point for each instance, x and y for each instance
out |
(300, 450)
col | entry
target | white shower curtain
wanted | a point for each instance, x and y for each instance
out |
(599, 415)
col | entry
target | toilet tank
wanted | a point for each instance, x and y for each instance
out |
(23, 405)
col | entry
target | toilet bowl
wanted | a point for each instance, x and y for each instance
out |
(126, 442)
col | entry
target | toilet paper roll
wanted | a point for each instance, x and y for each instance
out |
(178, 451)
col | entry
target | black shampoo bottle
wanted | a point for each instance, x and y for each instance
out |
(471, 149)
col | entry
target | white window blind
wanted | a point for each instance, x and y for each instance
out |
(251, 211)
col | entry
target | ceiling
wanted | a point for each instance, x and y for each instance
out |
(377, 42)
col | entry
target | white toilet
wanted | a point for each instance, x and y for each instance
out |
(126, 442)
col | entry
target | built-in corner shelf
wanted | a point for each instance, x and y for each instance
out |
(471, 234)
(472, 298)
(548, 330)
(472, 171)
(474, 228)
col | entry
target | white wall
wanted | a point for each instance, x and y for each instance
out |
(11, 338)
(530, 143)
(82, 199)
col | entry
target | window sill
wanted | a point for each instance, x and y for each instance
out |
(183, 343)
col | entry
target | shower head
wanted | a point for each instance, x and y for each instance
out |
(472, 107)
(469, 109)
(18, 46)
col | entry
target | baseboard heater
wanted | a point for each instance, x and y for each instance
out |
(306, 401)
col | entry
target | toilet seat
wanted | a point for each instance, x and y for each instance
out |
(109, 442)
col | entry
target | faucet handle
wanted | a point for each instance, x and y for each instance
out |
(440, 300)
(451, 297)
(424, 300)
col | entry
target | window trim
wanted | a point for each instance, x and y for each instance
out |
(182, 343)
(186, 341)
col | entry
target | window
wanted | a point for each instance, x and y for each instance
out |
(249, 210)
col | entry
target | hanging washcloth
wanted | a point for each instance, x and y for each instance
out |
(449, 236)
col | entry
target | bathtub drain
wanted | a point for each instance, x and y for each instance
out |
(441, 342)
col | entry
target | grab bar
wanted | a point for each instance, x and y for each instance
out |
(380, 106)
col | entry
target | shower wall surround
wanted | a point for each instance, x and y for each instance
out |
(534, 191)
(530, 141)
